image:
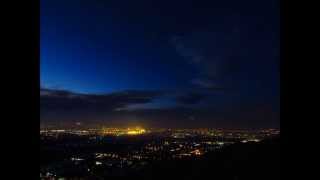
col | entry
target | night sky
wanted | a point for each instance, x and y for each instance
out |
(160, 63)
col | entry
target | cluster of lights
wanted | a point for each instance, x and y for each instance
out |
(136, 131)
(178, 147)
(123, 131)
(103, 155)
(250, 140)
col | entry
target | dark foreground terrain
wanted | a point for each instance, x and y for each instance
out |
(236, 162)
(240, 161)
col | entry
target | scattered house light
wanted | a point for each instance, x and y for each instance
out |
(76, 159)
(220, 143)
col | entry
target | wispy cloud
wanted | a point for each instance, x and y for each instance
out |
(191, 98)
(66, 100)
(203, 53)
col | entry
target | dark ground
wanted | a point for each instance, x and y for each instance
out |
(237, 162)
(242, 161)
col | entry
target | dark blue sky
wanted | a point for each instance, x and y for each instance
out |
(199, 54)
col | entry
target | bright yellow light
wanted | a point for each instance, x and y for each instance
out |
(132, 132)
(123, 131)
(136, 131)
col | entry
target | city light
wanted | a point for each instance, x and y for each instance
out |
(159, 144)
(196, 152)
(136, 131)
(76, 159)
(123, 131)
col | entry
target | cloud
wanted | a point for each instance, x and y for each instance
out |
(66, 101)
(186, 51)
(191, 98)
(221, 57)
(65, 107)
(203, 52)
(206, 84)
(210, 117)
